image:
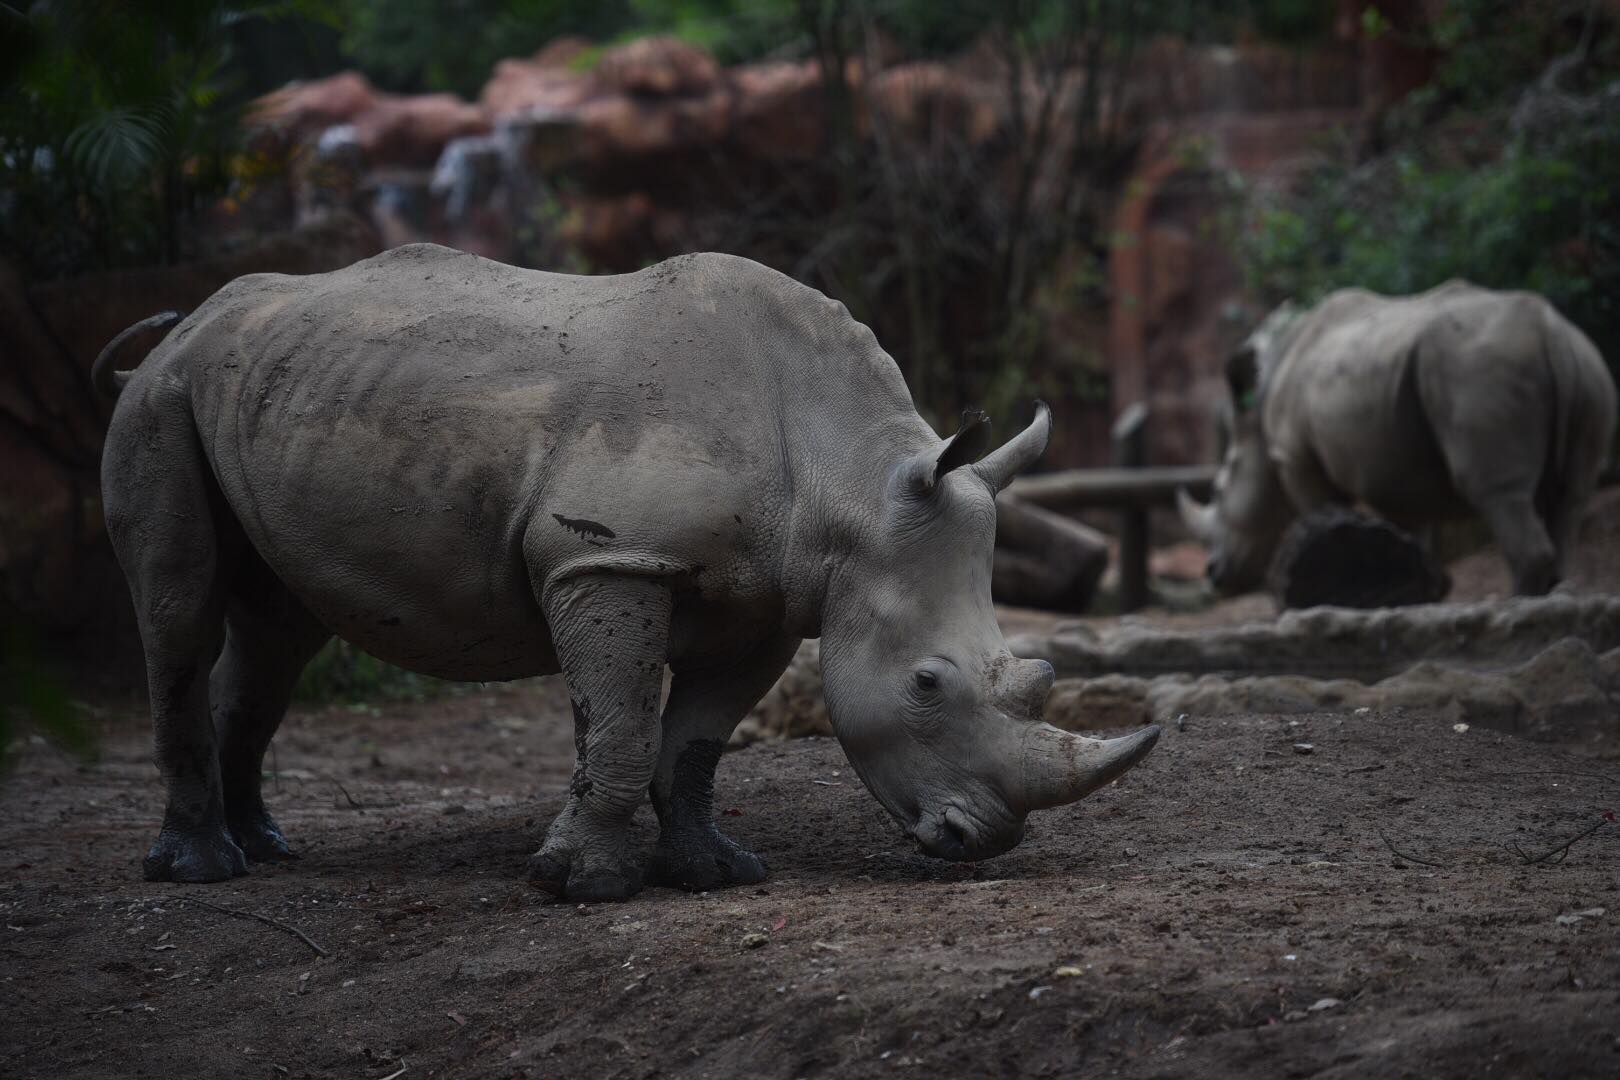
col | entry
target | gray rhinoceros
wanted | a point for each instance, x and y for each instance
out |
(1423, 408)
(481, 472)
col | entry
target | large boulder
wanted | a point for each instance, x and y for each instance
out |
(412, 131)
(305, 109)
(57, 572)
(657, 67)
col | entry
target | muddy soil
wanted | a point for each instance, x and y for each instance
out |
(1232, 908)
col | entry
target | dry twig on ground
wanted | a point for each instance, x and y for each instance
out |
(1562, 850)
(267, 920)
(1403, 855)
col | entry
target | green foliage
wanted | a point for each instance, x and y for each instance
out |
(1494, 47)
(452, 45)
(342, 673)
(439, 45)
(116, 120)
(1537, 210)
(1295, 23)
(29, 697)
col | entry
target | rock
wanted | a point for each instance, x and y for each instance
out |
(1304, 748)
(793, 707)
(1339, 557)
(412, 131)
(777, 110)
(1323, 1004)
(549, 81)
(307, 108)
(657, 67)
(755, 940)
(56, 567)
(1337, 643)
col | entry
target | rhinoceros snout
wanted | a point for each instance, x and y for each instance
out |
(955, 836)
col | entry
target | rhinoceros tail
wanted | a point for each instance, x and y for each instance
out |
(102, 376)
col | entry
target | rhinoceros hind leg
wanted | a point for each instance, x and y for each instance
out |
(704, 706)
(269, 637)
(612, 636)
(1524, 541)
(175, 545)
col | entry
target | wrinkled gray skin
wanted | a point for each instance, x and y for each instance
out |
(480, 472)
(1423, 408)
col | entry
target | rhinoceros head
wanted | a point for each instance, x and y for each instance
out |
(941, 722)
(1242, 525)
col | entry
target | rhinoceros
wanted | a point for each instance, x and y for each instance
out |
(481, 472)
(1421, 408)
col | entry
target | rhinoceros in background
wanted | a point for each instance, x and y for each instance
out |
(1422, 408)
(481, 472)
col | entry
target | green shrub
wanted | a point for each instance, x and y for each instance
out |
(342, 673)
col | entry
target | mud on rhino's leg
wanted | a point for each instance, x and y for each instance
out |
(612, 636)
(704, 706)
(269, 637)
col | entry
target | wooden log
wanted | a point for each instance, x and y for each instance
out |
(1337, 557)
(1073, 489)
(1043, 559)
(1130, 452)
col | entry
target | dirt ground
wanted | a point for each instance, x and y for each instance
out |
(1230, 908)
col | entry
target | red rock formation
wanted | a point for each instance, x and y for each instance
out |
(657, 67)
(305, 109)
(56, 567)
(412, 131)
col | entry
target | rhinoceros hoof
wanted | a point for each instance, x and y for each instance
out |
(586, 884)
(194, 855)
(704, 859)
(260, 838)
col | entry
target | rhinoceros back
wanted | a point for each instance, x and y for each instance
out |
(403, 438)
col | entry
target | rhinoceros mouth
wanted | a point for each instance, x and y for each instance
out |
(954, 834)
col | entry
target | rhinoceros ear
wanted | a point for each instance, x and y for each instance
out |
(963, 448)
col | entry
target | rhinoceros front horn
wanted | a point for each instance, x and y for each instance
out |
(1199, 518)
(1058, 767)
(998, 467)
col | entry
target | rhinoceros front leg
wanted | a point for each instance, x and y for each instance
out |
(611, 635)
(704, 707)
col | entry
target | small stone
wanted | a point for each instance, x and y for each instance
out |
(1068, 971)
(1293, 1016)
(1323, 1004)
(755, 940)
(1304, 748)
(1459, 728)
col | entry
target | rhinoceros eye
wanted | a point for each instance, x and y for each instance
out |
(926, 681)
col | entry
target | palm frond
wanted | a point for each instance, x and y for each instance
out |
(116, 145)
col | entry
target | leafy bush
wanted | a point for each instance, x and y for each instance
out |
(1521, 193)
(117, 122)
(30, 698)
(342, 673)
